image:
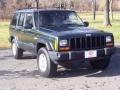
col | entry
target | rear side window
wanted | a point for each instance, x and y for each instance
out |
(21, 19)
(29, 19)
(14, 19)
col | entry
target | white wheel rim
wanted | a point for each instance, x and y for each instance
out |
(14, 49)
(42, 62)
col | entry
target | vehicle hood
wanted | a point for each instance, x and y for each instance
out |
(63, 31)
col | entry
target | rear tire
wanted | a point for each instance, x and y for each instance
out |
(100, 64)
(45, 66)
(17, 52)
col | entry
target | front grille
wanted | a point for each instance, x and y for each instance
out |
(87, 43)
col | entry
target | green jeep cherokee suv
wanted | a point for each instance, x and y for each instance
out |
(59, 37)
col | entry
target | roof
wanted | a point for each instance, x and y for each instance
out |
(33, 10)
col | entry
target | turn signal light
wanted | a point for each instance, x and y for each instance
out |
(109, 44)
(64, 48)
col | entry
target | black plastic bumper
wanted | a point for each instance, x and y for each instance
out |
(57, 57)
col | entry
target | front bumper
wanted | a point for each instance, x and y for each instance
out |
(57, 57)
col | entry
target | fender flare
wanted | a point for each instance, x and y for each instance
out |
(48, 45)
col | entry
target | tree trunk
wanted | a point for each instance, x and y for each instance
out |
(111, 11)
(37, 3)
(94, 9)
(60, 4)
(71, 5)
(106, 13)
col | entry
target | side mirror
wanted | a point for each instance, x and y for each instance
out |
(86, 24)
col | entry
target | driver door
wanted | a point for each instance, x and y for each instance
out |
(29, 33)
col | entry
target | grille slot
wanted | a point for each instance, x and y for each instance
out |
(87, 43)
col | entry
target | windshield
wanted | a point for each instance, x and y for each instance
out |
(58, 18)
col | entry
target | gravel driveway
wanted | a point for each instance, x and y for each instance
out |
(23, 75)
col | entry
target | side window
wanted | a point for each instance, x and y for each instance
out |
(36, 19)
(40, 20)
(21, 19)
(28, 21)
(14, 19)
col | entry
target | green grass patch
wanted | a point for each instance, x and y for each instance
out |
(4, 34)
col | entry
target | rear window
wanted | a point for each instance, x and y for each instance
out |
(21, 19)
(14, 20)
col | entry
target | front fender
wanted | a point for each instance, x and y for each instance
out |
(48, 44)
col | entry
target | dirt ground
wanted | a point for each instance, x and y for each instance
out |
(23, 75)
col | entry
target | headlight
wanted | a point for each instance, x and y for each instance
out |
(108, 39)
(63, 42)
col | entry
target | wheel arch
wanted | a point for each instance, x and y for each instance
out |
(11, 38)
(44, 43)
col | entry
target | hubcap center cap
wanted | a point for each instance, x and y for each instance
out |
(42, 62)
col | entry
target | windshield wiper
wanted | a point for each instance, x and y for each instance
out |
(73, 24)
(49, 25)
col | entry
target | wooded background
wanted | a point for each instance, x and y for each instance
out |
(8, 7)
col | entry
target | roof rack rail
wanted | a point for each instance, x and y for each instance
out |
(41, 8)
(55, 8)
(37, 7)
(28, 8)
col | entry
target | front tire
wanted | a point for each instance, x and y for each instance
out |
(45, 66)
(100, 64)
(17, 52)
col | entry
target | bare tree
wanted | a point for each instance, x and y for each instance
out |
(106, 13)
(37, 3)
(111, 10)
(71, 4)
(7, 7)
(2, 3)
(94, 9)
(62, 4)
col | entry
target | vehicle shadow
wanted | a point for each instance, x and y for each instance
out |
(25, 57)
(84, 70)
(28, 56)
(87, 71)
